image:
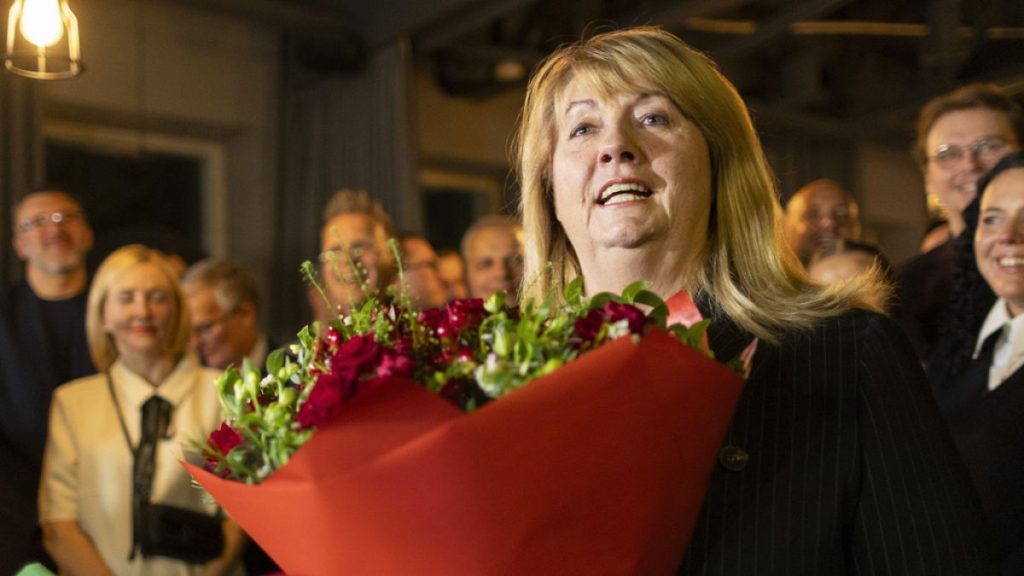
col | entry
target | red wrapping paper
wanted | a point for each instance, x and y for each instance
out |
(598, 468)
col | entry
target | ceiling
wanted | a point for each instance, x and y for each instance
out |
(860, 68)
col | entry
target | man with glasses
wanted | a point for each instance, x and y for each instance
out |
(960, 137)
(42, 320)
(223, 302)
(493, 250)
(355, 261)
(818, 217)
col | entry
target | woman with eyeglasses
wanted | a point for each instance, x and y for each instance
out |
(114, 498)
(960, 137)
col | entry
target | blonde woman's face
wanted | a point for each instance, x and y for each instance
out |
(139, 310)
(629, 170)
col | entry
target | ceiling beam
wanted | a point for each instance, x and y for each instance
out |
(448, 29)
(777, 25)
(674, 14)
(285, 15)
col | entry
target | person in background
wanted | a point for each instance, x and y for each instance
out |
(420, 270)
(42, 340)
(493, 251)
(818, 216)
(224, 303)
(980, 385)
(115, 438)
(961, 135)
(638, 160)
(453, 273)
(849, 259)
(354, 257)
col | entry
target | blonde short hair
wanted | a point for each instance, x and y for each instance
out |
(747, 270)
(101, 344)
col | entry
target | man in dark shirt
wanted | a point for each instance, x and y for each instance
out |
(42, 331)
(960, 137)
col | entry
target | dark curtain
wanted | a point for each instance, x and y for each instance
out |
(349, 130)
(21, 158)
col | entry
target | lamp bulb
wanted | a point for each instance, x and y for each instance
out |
(41, 23)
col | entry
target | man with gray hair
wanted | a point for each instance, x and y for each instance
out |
(223, 301)
(493, 250)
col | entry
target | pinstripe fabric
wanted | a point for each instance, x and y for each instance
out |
(851, 470)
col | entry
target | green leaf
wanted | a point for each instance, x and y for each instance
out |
(275, 361)
(602, 298)
(574, 292)
(630, 292)
(659, 311)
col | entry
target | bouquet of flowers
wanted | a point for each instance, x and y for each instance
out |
(355, 452)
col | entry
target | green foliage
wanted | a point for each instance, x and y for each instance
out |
(499, 352)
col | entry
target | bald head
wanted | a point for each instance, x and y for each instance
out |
(819, 215)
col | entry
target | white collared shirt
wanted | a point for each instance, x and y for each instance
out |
(1008, 354)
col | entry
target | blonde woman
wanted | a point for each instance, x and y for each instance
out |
(638, 160)
(97, 503)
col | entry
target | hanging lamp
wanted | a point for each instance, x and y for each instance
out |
(42, 40)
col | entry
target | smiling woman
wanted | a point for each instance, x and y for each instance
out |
(111, 465)
(638, 161)
(619, 156)
(980, 386)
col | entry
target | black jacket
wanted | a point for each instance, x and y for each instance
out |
(849, 468)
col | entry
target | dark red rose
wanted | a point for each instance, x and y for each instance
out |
(433, 318)
(394, 363)
(224, 439)
(615, 311)
(465, 314)
(404, 346)
(356, 356)
(587, 327)
(324, 401)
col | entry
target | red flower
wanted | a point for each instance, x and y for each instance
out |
(615, 311)
(588, 327)
(356, 356)
(436, 320)
(394, 363)
(224, 439)
(323, 401)
(465, 313)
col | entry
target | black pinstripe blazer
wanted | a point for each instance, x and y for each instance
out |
(848, 467)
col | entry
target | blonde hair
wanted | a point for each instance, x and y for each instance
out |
(747, 270)
(101, 344)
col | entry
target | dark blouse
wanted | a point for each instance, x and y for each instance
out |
(837, 461)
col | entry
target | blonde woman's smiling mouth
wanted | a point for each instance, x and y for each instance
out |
(622, 192)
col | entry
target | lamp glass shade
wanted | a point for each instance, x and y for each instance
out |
(42, 40)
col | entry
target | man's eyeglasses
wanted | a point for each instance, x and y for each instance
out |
(986, 150)
(40, 220)
(203, 328)
(336, 254)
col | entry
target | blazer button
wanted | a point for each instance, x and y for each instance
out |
(733, 458)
